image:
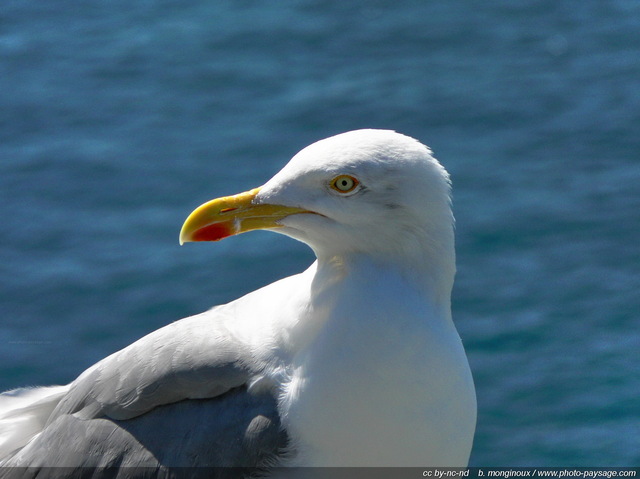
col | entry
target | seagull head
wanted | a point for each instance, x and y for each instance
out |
(364, 192)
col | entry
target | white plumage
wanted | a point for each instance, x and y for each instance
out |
(354, 362)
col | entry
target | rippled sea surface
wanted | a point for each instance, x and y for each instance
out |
(118, 118)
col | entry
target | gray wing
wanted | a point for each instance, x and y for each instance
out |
(193, 358)
(176, 398)
(207, 438)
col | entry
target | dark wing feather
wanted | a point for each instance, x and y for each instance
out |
(176, 398)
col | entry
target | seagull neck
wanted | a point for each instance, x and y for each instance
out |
(432, 278)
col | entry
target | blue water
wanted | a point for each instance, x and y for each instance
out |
(117, 118)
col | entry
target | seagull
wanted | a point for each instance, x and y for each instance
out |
(354, 362)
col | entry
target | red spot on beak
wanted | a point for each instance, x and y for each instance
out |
(214, 232)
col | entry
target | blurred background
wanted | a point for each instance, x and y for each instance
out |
(118, 118)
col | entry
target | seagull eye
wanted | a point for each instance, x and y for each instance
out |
(344, 183)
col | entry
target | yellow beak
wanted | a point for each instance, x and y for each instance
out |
(232, 215)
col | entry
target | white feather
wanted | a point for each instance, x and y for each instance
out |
(24, 413)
